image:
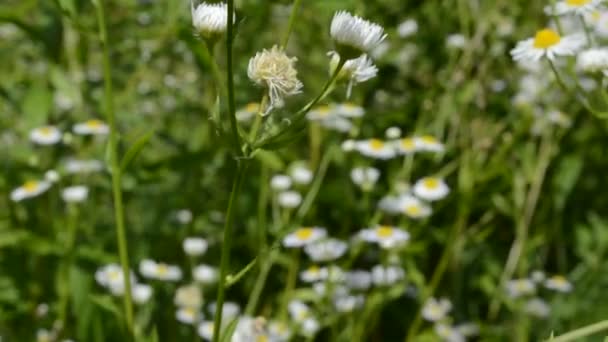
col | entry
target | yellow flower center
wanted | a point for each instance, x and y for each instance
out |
(252, 107)
(30, 186)
(162, 269)
(412, 209)
(46, 131)
(577, 2)
(94, 123)
(314, 269)
(408, 143)
(262, 338)
(521, 286)
(304, 233)
(546, 38)
(376, 144)
(431, 183)
(384, 231)
(114, 275)
(559, 280)
(323, 110)
(428, 139)
(348, 105)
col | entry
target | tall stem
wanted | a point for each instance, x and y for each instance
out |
(115, 167)
(577, 334)
(236, 139)
(292, 20)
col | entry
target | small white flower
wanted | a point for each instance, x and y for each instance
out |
(348, 145)
(301, 174)
(159, 271)
(279, 331)
(188, 296)
(348, 303)
(520, 287)
(448, 333)
(289, 199)
(298, 310)
(280, 182)
(183, 216)
(230, 310)
(75, 194)
(48, 135)
(538, 308)
(431, 189)
(248, 112)
(141, 293)
(358, 280)
(593, 60)
(578, 7)
(435, 310)
(387, 275)
(304, 236)
(188, 315)
(354, 34)
(349, 110)
(468, 329)
(195, 246)
(337, 123)
(456, 41)
(375, 148)
(51, 176)
(558, 283)
(209, 20)
(365, 177)
(274, 70)
(385, 236)
(91, 127)
(407, 28)
(321, 113)
(111, 277)
(41, 310)
(205, 274)
(358, 70)
(601, 24)
(310, 327)
(538, 276)
(547, 43)
(393, 132)
(313, 274)
(428, 143)
(413, 207)
(406, 145)
(326, 250)
(43, 335)
(83, 166)
(205, 330)
(29, 189)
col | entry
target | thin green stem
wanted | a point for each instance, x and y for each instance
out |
(227, 243)
(115, 167)
(292, 19)
(236, 138)
(260, 282)
(316, 185)
(577, 334)
(69, 256)
(586, 29)
(292, 277)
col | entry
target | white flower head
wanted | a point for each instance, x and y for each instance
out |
(547, 43)
(52, 176)
(47, 135)
(230, 310)
(448, 333)
(375, 148)
(337, 123)
(413, 208)
(538, 308)
(578, 7)
(387, 275)
(188, 315)
(141, 293)
(30, 189)
(183, 216)
(431, 189)
(301, 174)
(313, 274)
(195, 246)
(385, 236)
(205, 330)
(355, 71)
(75, 194)
(274, 70)
(304, 236)
(83, 166)
(428, 143)
(91, 127)
(159, 271)
(365, 177)
(601, 24)
(593, 60)
(279, 331)
(209, 20)
(289, 199)
(358, 280)
(205, 274)
(349, 110)
(435, 310)
(558, 283)
(112, 278)
(393, 132)
(248, 112)
(298, 310)
(520, 287)
(280, 182)
(188, 296)
(310, 327)
(326, 250)
(354, 35)
(348, 303)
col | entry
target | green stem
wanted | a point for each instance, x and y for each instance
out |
(115, 167)
(577, 334)
(236, 138)
(292, 277)
(316, 185)
(227, 242)
(260, 282)
(292, 20)
(69, 256)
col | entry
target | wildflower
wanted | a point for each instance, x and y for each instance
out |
(348, 145)
(558, 283)
(248, 112)
(428, 143)
(43, 335)
(579, 7)
(355, 71)
(300, 174)
(91, 127)
(413, 207)
(188, 315)
(75, 194)
(51, 176)
(448, 333)
(159, 271)
(326, 250)
(289, 199)
(468, 329)
(392, 132)
(354, 35)
(47, 135)
(406, 145)
(141, 293)
(436, 310)
(386, 275)
(375, 148)
(195, 246)
(280, 182)
(205, 330)
(29, 189)
(229, 310)
(112, 278)
(250, 329)
(304, 236)
(310, 327)
(278, 331)
(601, 25)
(349, 110)
(348, 303)
(337, 123)
(209, 20)
(83, 166)
(520, 287)
(274, 70)
(593, 60)
(407, 28)
(183, 216)
(385, 236)
(538, 308)
(313, 274)
(538, 276)
(547, 43)
(205, 274)
(298, 310)
(455, 41)
(358, 279)
(431, 189)
(188, 296)
(320, 113)
(365, 177)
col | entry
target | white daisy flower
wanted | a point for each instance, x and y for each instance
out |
(326, 250)
(230, 310)
(413, 208)
(205, 330)
(456, 41)
(83, 166)
(337, 123)
(209, 20)
(406, 145)
(301, 174)
(205, 274)
(547, 43)
(141, 293)
(280, 182)
(385, 236)
(313, 274)
(578, 7)
(386, 275)
(159, 271)
(111, 277)
(538, 308)
(393, 132)
(322, 112)
(354, 35)
(304, 236)
(188, 296)
(365, 177)
(52, 176)
(558, 283)
(43, 335)
(248, 112)
(431, 189)
(289, 199)
(538, 276)
(375, 148)
(436, 310)
(188, 315)
(310, 327)
(195, 246)
(428, 143)
(349, 110)
(348, 145)
(29, 189)
(448, 333)
(593, 60)
(355, 71)
(274, 70)
(346, 304)
(91, 127)
(601, 25)
(298, 310)
(183, 216)
(358, 280)
(407, 28)
(47, 135)
(75, 194)
(279, 331)
(520, 287)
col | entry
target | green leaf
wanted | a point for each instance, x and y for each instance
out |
(36, 105)
(106, 303)
(270, 159)
(134, 150)
(229, 331)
